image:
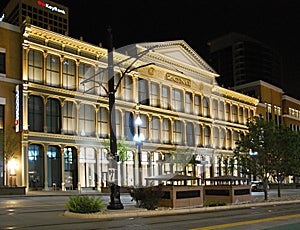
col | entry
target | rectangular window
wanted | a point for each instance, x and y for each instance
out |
(86, 120)
(165, 97)
(197, 104)
(127, 88)
(178, 132)
(69, 113)
(177, 100)
(103, 123)
(154, 94)
(68, 68)
(166, 131)
(188, 102)
(52, 70)
(155, 129)
(86, 78)
(35, 66)
(143, 92)
(2, 63)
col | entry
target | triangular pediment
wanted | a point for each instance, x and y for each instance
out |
(180, 51)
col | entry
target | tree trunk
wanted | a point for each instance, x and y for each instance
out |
(265, 184)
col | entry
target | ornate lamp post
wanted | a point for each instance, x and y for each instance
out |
(139, 138)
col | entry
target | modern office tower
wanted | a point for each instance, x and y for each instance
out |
(42, 13)
(240, 59)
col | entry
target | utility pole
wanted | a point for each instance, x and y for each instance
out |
(115, 201)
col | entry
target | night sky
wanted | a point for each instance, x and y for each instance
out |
(275, 23)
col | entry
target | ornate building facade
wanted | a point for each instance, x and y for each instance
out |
(65, 127)
(190, 123)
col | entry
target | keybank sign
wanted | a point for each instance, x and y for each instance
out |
(52, 8)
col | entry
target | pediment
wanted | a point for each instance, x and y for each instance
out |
(180, 51)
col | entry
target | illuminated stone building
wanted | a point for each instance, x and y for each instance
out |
(64, 125)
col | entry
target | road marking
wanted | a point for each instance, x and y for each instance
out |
(247, 222)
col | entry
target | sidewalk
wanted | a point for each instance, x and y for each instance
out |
(131, 211)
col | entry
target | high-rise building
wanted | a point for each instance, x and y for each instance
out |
(240, 59)
(42, 13)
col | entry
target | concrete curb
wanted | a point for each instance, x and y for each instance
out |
(139, 212)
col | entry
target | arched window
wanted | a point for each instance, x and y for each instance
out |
(36, 113)
(53, 116)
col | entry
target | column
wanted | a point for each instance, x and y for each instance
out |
(63, 188)
(79, 170)
(46, 186)
(25, 148)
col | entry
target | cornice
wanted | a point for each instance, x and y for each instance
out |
(236, 95)
(291, 99)
(46, 35)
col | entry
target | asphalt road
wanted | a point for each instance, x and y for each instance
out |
(47, 212)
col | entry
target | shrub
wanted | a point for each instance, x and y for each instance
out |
(210, 203)
(84, 204)
(147, 197)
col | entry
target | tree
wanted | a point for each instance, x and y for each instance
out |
(286, 154)
(269, 150)
(254, 150)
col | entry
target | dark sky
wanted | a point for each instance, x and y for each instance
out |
(274, 22)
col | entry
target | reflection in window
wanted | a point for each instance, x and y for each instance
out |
(86, 72)
(177, 102)
(102, 123)
(154, 94)
(127, 88)
(128, 126)
(155, 127)
(166, 131)
(69, 114)
(52, 70)
(177, 132)
(35, 66)
(143, 91)
(68, 68)
(188, 102)
(165, 104)
(86, 120)
(190, 136)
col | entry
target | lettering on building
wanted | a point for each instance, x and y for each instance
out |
(178, 80)
(52, 8)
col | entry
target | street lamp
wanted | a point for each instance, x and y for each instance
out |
(139, 138)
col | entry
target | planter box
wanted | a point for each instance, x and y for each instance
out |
(12, 190)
